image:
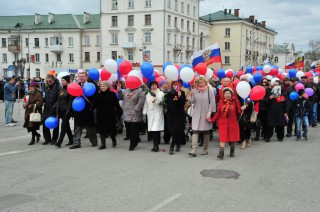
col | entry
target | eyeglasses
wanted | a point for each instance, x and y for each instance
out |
(49, 81)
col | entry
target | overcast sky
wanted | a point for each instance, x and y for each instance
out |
(296, 21)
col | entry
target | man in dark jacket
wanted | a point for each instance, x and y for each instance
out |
(314, 100)
(291, 88)
(50, 108)
(9, 98)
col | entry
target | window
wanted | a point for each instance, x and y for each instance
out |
(130, 37)
(36, 42)
(188, 25)
(193, 27)
(37, 58)
(188, 39)
(98, 56)
(169, 38)
(87, 40)
(181, 57)
(182, 23)
(58, 57)
(16, 57)
(55, 40)
(130, 55)
(181, 39)
(71, 58)
(169, 20)
(226, 60)
(37, 72)
(168, 56)
(227, 45)
(70, 41)
(130, 20)
(4, 42)
(188, 9)
(148, 3)
(97, 39)
(147, 55)
(27, 58)
(114, 55)
(176, 22)
(114, 4)
(47, 58)
(175, 39)
(169, 4)
(130, 4)
(47, 42)
(147, 37)
(276, 59)
(176, 5)
(114, 38)
(87, 57)
(114, 21)
(27, 42)
(147, 20)
(194, 11)
(193, 42)
(182, 7)
(4, 58)
(227, 32)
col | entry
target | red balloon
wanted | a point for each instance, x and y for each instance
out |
(105, 75)
(125, 67)
(159, 79)
(240, 73)
(257, 93)
(74, 89)
(133, 82)
(215, 73)
(157, 74)
(274, 72)
(308, 74)
(201, 68)
(281, 77)
(254, 69)
(194, 79)
(235, 83)
(229, 74)
(178, 67)
(145, 80)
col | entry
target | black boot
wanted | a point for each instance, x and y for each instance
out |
(58, 144)
(178, 148)
(221, 153)
(32, 139)
(156, 148)
(103, 142)
(45, 143)
(232, 150)
(152, 150)
(114, 142)
(171, 150)
(38, 137)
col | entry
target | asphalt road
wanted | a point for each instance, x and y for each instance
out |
(275, 176)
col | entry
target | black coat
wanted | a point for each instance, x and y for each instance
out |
(276, 110)
(51, 99)
(244, 121)
(108, 111)
(176, 117)
(64, 100)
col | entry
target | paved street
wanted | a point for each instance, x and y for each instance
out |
(274, 176)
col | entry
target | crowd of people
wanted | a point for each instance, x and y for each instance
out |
(166, 106)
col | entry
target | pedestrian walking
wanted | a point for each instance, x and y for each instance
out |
(10, 89)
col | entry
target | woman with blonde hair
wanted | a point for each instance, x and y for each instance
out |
(204, 104)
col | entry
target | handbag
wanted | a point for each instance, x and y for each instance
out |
(254, 114)
(34, 117)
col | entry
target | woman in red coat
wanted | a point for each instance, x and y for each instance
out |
(227, 117)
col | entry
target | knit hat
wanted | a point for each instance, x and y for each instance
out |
(162, 82)
(52, 72)
(33, 84)
(301, 92)
(66, 78)
(294, 79)
(227, 89)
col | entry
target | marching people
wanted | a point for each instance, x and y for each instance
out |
(10, 89)
(204, 104)
(51, 94)
(64, 111)
(165, 88)
(33, 104)
(314, 100)
(85, 118)
(245, 123)
(291, 89)
(227, 121)
(108, 112)
(155, 114)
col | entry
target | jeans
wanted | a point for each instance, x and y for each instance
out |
(314, 113)
(299, 121)
(8, 111)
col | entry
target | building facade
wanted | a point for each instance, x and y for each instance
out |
(34, 45)
(283, 54)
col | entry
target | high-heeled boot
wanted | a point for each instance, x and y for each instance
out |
(103, 142)
(221, 153)
(38, 137)
(114, 141)
(32, 139)
(232, 147)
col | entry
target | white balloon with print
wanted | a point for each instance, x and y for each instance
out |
(186, 74)
(171, 72)
(243, 89)
(111, 66)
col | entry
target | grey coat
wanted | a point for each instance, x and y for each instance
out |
(202, 109)
(133, 102)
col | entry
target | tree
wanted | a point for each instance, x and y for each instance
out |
(315, 49)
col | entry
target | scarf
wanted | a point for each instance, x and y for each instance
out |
(227, 106)
(203, 89)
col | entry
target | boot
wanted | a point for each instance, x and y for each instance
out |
(38, 137)
(205, 144)
(59, 143)
(156, 148)
(114, 141)
(243, 145)
(178, 148)
(32, 140)
(171, 150)
(232, 150)
(103, 142)
(45, 143)
(152, 150)
(194, 145)
(248, 142)
(201, 139)
(221, 153)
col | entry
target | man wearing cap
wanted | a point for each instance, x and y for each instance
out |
(290, 89)
(10, 89)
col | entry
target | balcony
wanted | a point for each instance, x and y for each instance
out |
(56, 48)
(129, 45)
(190, 49)
(177, 47)
(14, 43)
(14, 48)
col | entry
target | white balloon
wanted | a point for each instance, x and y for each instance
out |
(273, 80)
(209, 73)
(316, 80)
(243, 89)
(267, 69)
(249, 76)
(171, 72)
(62, 74)
(186, 74)
(300, 74)
(269, 77)
(111, 66)
(136, 73)
(113, 77)
(280, 70)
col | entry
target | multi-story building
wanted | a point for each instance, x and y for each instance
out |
(34, 45)
(242, 41)
(282, 54)
(149, 30)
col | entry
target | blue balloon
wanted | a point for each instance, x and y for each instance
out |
(276, 67)
(235, 73)
(221, 73)
(186, 84)
(252, 82)
(249, 69)
(185, 65)
(165, 65)
(51, 122)
(146, 69)
(94, 73)
(292, 73)
(119, 61)
(219, 87)
(259, 68)
(78, 104)
(151, 78)
(257, 77)
(294, 95)
(89, 89)
(316, 74)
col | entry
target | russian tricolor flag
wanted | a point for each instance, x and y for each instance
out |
(208, 55)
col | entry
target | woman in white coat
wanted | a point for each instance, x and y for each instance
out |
(153, 108)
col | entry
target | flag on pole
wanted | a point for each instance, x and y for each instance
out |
(297, 63)
(208, 55)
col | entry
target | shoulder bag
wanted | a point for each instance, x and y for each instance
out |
(34, 117)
